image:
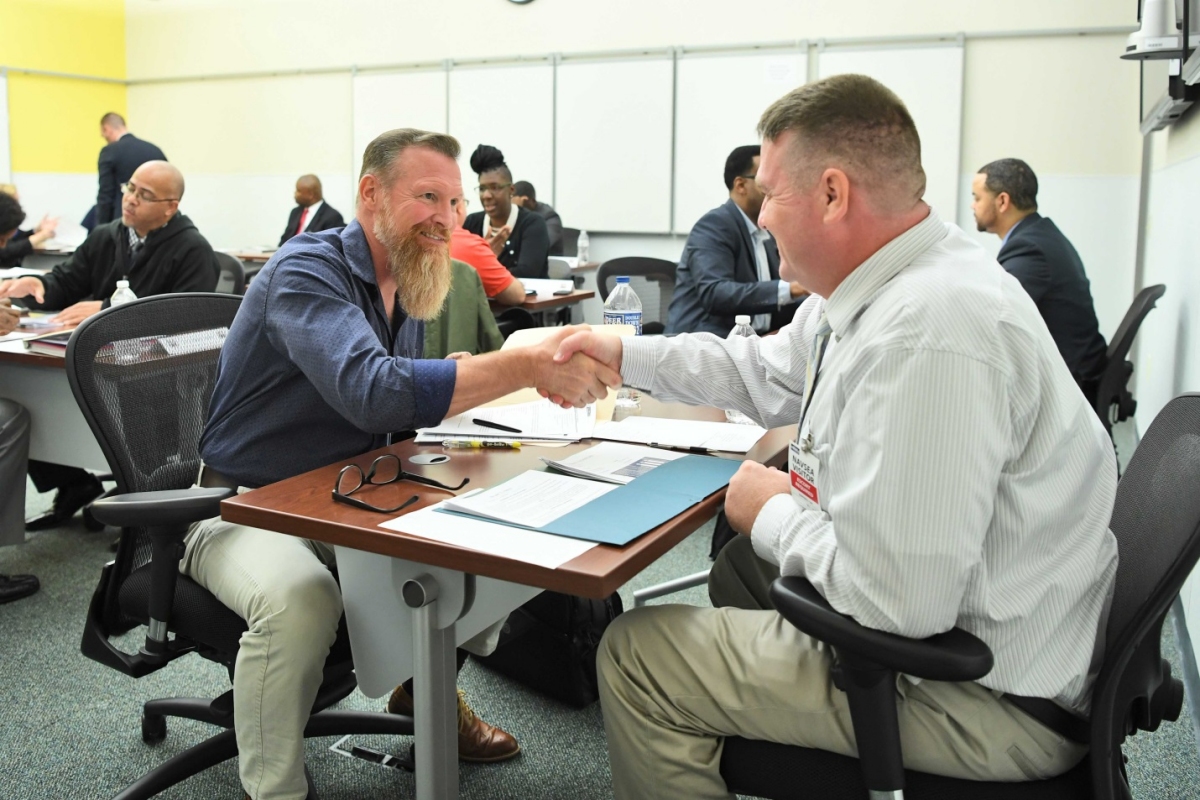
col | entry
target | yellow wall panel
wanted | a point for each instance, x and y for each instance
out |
(82, 37)
(55, 122)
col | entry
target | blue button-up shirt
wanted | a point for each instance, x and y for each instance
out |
(312, 372)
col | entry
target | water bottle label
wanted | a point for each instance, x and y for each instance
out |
(633, 318)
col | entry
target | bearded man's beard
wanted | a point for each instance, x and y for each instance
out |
(420, 267)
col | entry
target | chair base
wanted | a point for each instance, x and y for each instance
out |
(785, 772)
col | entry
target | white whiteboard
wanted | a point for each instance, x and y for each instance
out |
(482, 103)
(614, 145)
(386, 101)
(718, 103)
(929, 81)
(5, 157)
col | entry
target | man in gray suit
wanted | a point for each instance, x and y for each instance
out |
(730, 265)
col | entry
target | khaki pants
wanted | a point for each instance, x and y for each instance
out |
(674, 680)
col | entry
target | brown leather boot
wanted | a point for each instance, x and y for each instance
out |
(477, 740)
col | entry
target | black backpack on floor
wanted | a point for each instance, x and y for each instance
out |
(549, 644)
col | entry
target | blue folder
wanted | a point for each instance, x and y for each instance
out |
(649, 500)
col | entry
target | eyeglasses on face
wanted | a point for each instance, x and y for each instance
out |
(144, 196)
(494, 188)
(383, 470)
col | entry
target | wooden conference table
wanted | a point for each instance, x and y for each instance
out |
(410, 601)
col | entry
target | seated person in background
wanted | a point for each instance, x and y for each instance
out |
(518, 237)
(322, 361)
(24, 242)
(311, 213)
(498, 283)
(730, 265)
(525, 196)
(14, 436)
(154, 247)
(466, 324)
(957, 480)
(1035, 252)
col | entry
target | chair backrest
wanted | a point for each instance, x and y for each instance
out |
(514, 319)
(570, 242)
(1114, 402)
(143, 373)
(652, 280)
(1156, 521)
(232, 279)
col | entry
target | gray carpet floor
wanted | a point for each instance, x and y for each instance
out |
(69, 727)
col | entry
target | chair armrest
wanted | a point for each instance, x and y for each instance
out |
(169, 508)
(951, 656)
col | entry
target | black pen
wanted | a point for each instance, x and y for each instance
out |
(703, 451)
(496, 426)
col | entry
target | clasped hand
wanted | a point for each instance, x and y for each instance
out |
(570, 375)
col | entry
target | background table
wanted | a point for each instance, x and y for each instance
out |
(58, 432)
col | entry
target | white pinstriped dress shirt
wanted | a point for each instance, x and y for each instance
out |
(963, 480)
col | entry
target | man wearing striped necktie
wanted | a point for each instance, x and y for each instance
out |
(947, 473)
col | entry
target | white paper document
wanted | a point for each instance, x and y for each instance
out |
(613, 462)
(543, 549)
(18, 272)
(527, 421)
(532, 498)
(658, 432)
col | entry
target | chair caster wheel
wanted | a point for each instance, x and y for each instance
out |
(154, 728)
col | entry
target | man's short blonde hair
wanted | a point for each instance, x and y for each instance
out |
(858, 125)
(379, 159)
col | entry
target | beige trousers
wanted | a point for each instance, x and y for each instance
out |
(674, 680)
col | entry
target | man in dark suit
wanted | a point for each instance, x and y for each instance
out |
(1036, 253)
(525, 196)
(311, 213)
(123, 154)
(730, 266)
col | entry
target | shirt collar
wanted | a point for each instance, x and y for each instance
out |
(312, 210)
(755, 231)
(883, 265)
(512, 220)
(1021, 221)
(358, 252)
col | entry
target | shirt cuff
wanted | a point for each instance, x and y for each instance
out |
(785, 293)
(433, 381)
(776, 516)
(639, 356)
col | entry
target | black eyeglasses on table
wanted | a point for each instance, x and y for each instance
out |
(383, 470)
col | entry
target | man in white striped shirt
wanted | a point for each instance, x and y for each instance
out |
(947, 473)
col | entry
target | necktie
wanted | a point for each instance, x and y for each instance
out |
(303, 217)
(815, 354)
(761, 322)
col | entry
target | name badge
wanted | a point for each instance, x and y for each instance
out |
(803, 468)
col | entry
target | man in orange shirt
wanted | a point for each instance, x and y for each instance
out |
(498, 283)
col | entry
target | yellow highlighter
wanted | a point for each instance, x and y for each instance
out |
(478, 444)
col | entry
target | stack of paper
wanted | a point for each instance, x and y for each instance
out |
(612, 462)
(532, 499)
(546, 288)
(682, 433)
(533, 423)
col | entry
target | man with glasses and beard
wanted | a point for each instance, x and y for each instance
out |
(321, 363)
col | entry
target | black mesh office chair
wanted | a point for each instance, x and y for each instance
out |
(232, 279)
(652, 280)
(514, 319)
(143, 374)
(1114, 401)
(1156, 521)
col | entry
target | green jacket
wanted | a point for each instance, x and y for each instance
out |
(466, 322)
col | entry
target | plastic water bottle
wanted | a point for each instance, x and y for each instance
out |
(581, 247)
(123, 294)
(741, 327)
(624, 307)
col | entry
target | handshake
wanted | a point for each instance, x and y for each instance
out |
(576, 365)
